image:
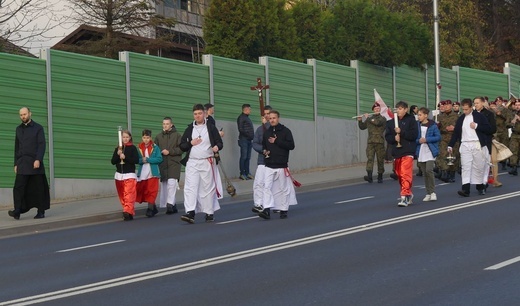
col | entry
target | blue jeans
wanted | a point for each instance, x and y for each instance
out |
(245, 155)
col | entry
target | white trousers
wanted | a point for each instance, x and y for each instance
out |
(473, 159)
(202, 186)
(258, 185)
(278, 190)
(168, 191)
(487, 165)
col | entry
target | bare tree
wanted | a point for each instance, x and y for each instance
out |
(28, 21)
(136, 17)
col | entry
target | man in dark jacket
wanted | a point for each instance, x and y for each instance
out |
(481, 106)
(202, 185)
(31, 188)
(246, 134)
(472, 129)
(170, 168)
(402, 134)
(278, 185)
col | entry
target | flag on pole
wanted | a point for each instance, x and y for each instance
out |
(385, 111)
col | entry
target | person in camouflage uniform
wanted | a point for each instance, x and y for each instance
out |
(514, 141)
(456, 107)
(447, 120)
(502, 116)
(375, 124)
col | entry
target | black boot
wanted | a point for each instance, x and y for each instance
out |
(504, 165)
(40, 214)
(151, 210)
(513, 171)
(419, 173)
(14, 213)
(451, 176)
(380, 177)
(465, 190)
(394, 176)
(481, 188)
(368, 177)
(444, 176)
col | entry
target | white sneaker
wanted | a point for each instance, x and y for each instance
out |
(409, 199)
(403, 202)
(433, 197)
(427, 198)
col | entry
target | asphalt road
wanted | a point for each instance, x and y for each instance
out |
(350, 245)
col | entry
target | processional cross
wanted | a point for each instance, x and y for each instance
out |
(260, 88)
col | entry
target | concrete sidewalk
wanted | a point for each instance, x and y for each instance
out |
(85, 211)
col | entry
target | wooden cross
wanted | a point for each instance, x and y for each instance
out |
(259, 88)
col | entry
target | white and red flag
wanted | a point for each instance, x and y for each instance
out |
(385, 111)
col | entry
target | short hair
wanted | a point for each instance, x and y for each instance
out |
(245, 105)
(483, 99)
(466, 101)
(168, 118)
(268, 107)
(275, 112)
(208, 106)
(146, 132)
(401, 104)
(198, 107)
(424, 110)
(27, 107)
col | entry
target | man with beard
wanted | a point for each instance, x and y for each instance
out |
(31, 188)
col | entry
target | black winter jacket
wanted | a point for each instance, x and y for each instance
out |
(279, 150)
(409, 133)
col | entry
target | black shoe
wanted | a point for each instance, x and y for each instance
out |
(155, 211)
(127, 217)
(14, 214)
(40, 215)
(419, 173)
(380, 178)
(210, 218)
(171, 209)
(394, 176)
(265, 214)
(482, 192)
(189, 217)
(257, 209)
(283, 214)
(149, 213)
(463, 193)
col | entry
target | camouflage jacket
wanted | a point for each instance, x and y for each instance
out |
(376, 128)
(446, 120)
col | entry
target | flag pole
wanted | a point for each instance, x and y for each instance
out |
(437, 59)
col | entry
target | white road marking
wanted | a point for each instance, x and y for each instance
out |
(238, 220)
(120, 281)
(504, 263)
(89, 246)
(353, 200)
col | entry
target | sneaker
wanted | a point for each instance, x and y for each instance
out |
(402, 202)
(427, 198)
(210, 218)
(409, 199)
(265, 214)
(275, 211)
(283, 214)
(257, 209)
(250, 176)
(243, 177)
(433, 197)
(189, 217)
